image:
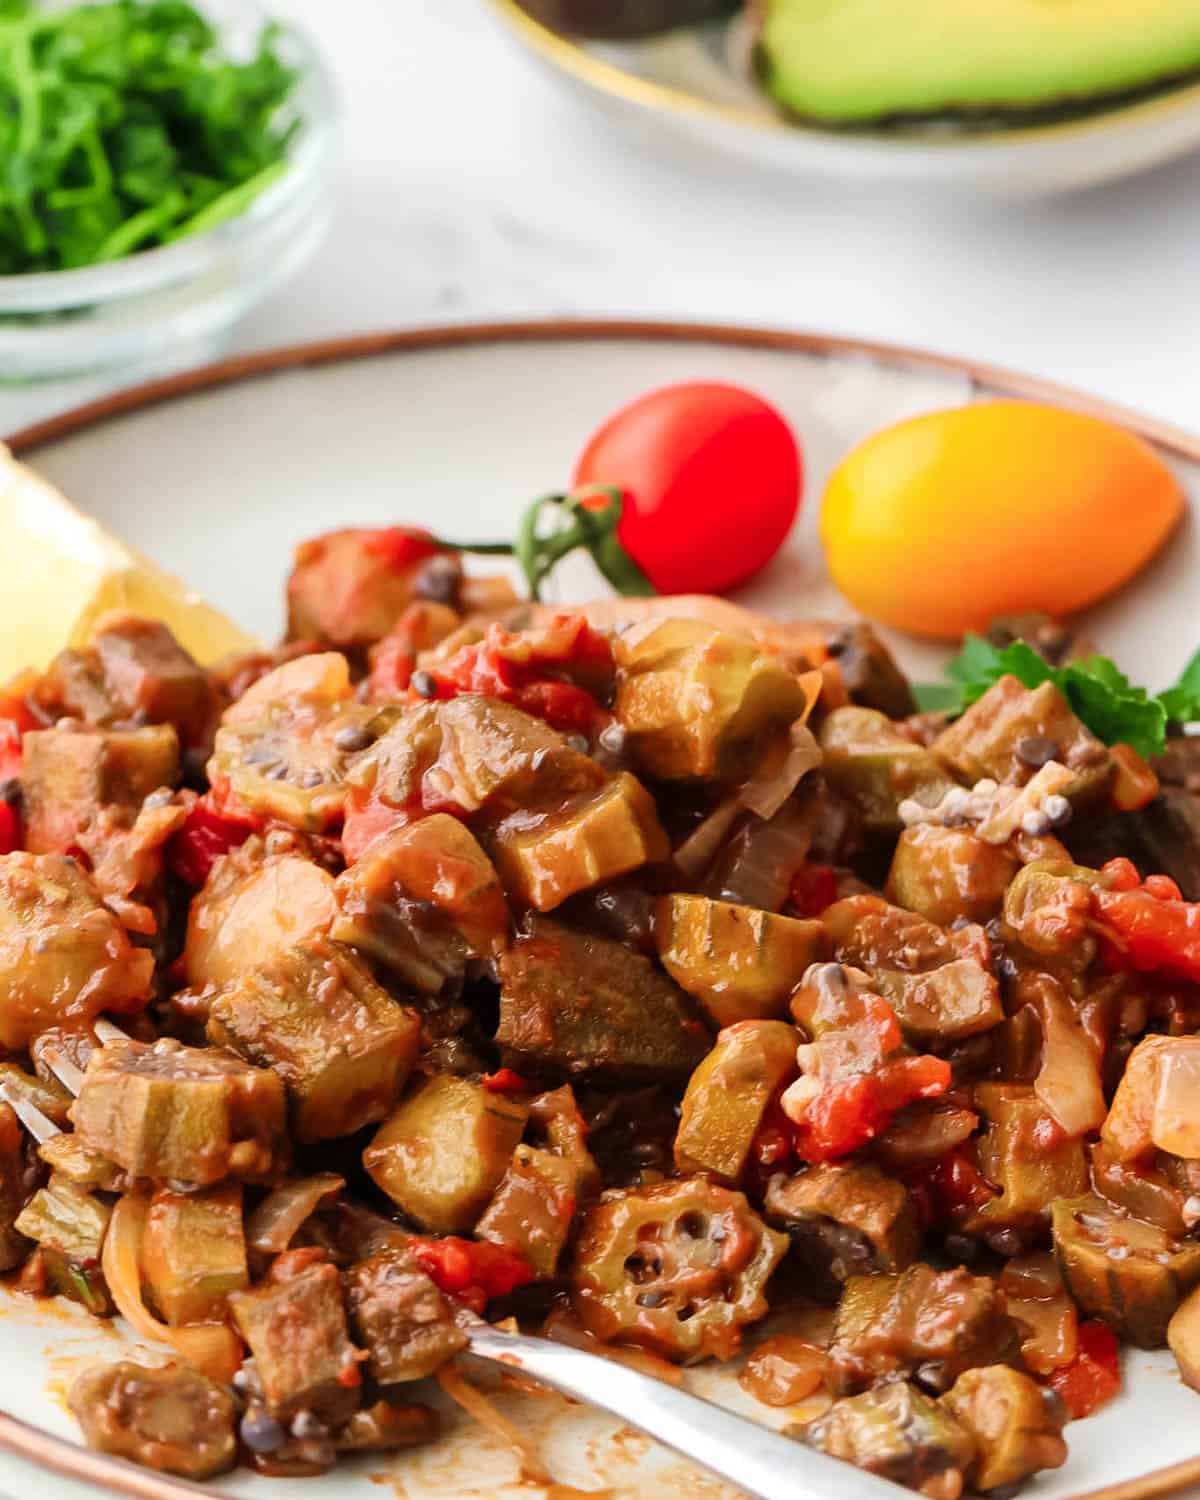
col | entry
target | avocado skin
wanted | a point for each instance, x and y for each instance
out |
(856, 61)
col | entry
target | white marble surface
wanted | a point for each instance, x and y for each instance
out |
(473, 188)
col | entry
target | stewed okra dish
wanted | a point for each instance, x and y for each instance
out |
(653, 974)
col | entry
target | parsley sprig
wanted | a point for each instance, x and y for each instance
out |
(1110, 705)
(125, 125)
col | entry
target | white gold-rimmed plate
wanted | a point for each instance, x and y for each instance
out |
(218, 474)
(695, 84)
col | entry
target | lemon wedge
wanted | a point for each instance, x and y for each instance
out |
(62, 570)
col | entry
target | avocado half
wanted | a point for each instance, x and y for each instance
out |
(854, 61)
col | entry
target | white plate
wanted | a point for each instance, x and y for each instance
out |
(695, 83)
(218, 476)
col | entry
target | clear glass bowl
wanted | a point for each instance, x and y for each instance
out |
(176, 304)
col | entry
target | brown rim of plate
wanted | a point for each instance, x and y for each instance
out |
(993, 379)
(608, 78)
(116, 1476)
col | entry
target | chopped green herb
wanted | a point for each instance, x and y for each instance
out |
(125, 125)
(1108, 703)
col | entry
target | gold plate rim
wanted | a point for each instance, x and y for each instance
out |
(615, 82)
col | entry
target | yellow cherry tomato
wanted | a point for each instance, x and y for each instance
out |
(945, 522)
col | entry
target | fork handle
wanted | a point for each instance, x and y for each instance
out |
(761, 1462)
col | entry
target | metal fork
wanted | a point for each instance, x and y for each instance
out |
(760, 1462)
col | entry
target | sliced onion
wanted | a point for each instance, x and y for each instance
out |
(1068, 1083)
(700, 847)
(760, 863)
(273, 1225)
(767, 793)
(212, 1348)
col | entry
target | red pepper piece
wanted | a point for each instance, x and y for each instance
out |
(1148, 933)
(955, 1185)
(11, 832)
(1094, 1375)
(474, 1271)
(204, 838)
(506, 1081)
(814, 887)
(848, 1114)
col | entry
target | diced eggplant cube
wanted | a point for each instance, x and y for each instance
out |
(194, 1253)
(70, 774)
(64, 957)
(149, 673)
(422, 901)
(400, 1318)
(845, 1219)
(579, 1003)
(316, 1015)
(594, 838)
(297, 1335)
(441, 1154)
(183, 1114)
(532, 1209)
(934, 1323)
(988, 739)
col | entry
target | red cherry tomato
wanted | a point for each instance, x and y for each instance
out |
(711, 476)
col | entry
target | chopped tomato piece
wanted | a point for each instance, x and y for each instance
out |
(552, 671)
(471, 1270)
(1094, 1375)
(846, 1115)
(814, 887)
(952, 1185)
(204, 838)
(367, 819)
(1149, 929)
(562, 705)
(16, 720)
(856, 1074)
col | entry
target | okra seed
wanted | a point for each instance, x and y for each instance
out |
(354, 737)
(578, 742)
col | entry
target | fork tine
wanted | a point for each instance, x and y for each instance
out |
(39, 1126)
(67, 1073)
(107, 1032)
